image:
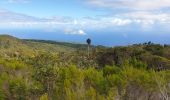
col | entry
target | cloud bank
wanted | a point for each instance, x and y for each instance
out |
(131, 4)
(15, 20)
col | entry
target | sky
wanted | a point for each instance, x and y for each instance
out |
(106, 22)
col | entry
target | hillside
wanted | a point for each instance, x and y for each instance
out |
(72, 45)
(49, 70)
(11, 46)
(148, 53)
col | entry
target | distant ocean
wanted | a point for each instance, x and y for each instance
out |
(108, 38)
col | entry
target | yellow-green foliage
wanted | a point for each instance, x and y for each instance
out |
(14, 47)
(90, 84)
(29, 72)
(73, 83)
(12, 64)
(44, 97)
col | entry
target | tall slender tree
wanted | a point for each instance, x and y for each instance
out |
(88, 43)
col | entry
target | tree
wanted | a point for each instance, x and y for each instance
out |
(89, 43)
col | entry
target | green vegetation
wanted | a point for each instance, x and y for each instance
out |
(47, 70)
(72, 45)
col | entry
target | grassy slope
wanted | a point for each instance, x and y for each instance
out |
(10, 46)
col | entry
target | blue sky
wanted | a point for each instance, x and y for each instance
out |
(48, 8)
(116, 22)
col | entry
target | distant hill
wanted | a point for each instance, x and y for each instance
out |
(72, 45)
(10, 46)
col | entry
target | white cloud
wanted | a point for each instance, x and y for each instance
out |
(11, 19)
(145, 13)
(148, 17)
(17, 1)
(81, 32)
(120, 22)
(8, 16)
(74, 32)
(131, 4)
(77, 26)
